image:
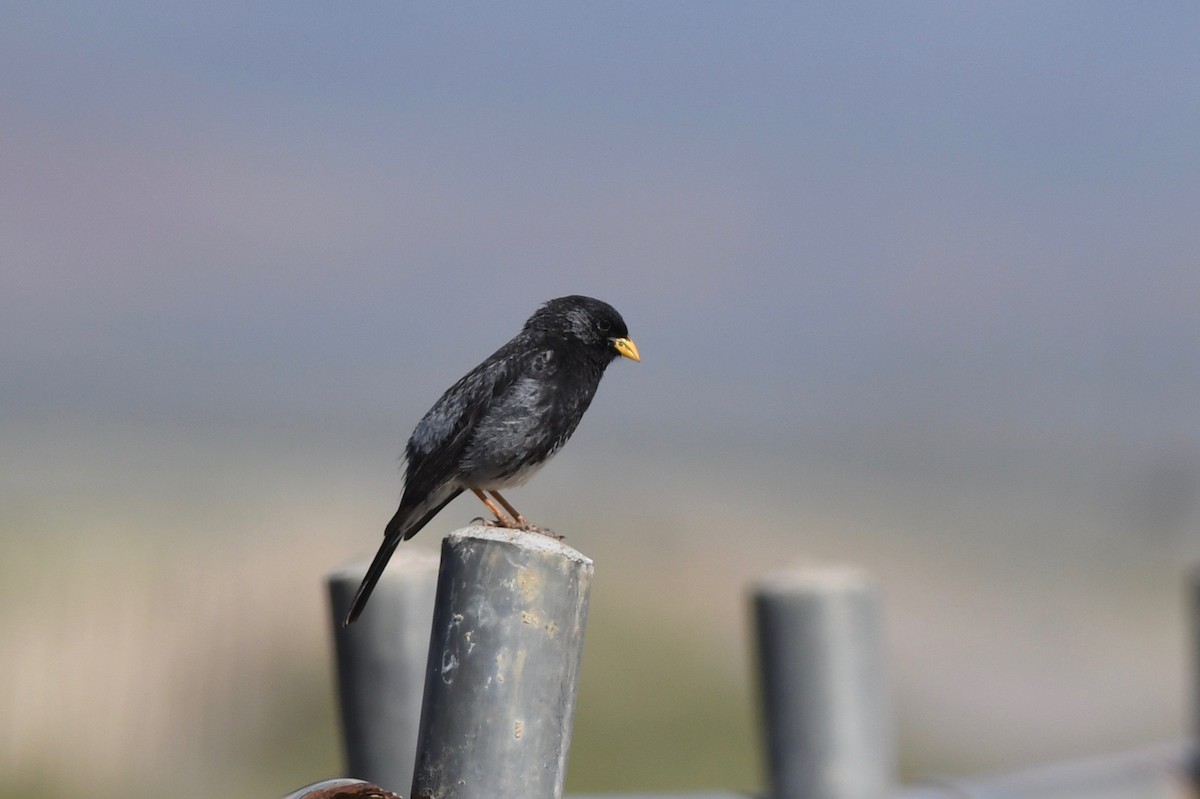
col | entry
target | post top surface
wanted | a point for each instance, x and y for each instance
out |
(405, 559)
(815, 578)
(521, 538)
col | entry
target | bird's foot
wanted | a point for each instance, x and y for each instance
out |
(503, 524)
(524, 526)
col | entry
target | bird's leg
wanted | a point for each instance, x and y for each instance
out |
(533, 528)
(501, 517)
(515, 513)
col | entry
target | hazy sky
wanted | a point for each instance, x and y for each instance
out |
(808, 215)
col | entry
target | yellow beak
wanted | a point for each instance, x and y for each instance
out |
(626, 347)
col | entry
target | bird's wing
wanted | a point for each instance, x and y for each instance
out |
(434, 451)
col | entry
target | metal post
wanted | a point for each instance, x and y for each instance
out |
(503, 667)
(823, 686)
(381, 665)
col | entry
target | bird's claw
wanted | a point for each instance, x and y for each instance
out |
(499, 523)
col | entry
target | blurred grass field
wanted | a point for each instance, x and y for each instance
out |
(165, 627)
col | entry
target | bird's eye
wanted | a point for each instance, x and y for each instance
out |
(604, 325)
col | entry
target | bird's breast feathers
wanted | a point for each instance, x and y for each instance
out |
(528, 422)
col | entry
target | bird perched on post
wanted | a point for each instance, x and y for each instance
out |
(504, 419)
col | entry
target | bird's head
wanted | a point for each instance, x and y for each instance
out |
(594, 323)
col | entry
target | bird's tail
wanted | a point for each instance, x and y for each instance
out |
(390, 542)
(402, 527)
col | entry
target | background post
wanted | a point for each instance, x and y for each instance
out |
(381, 665)
(1192, 593)
(823, 684)
(503, 668)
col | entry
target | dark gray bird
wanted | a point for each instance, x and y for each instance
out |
(497, 425)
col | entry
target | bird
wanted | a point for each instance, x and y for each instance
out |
(504, 419)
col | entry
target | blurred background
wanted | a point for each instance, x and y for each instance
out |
(915, 286)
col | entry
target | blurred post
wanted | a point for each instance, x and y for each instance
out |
(1193, 617)
(381, 665)
(503, 666)
(823, 685)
